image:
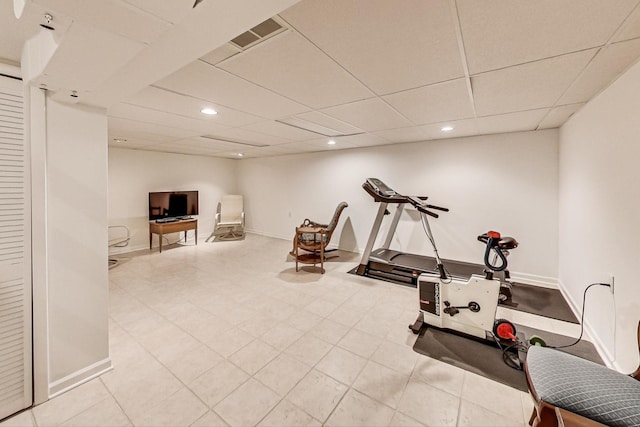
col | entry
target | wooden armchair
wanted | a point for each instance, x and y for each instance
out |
(314, 237)
(570, 391)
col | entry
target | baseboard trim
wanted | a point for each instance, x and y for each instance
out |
(275, 236)
(77, 378)
(532, 279)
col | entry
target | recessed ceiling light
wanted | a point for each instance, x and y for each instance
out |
(240, 154)
(331, 142)
(446, 128)
(209, 111)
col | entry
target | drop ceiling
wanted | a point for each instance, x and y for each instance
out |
(360, 72)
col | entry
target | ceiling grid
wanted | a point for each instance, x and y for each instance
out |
(363, 72)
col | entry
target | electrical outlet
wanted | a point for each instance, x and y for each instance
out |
(612, 281)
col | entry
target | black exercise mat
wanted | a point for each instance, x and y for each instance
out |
(583, 349)
(485, 358)
(541, 301)
(468, 354)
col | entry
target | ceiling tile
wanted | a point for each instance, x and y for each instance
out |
(249, 137)
(148, 130)
(408, 134)
(501, 33)
(142, 114)
(362, 140)
(528, 86)
(176, 150)
(225, 51)
(512, 122)
(283, 131)
(329, 122)
(434, 103)
(114, 16)
(128, 138)
(610, 62)
(558, 115)
(189, 147)
(86, 44)
(131, 146)
(314, 145)
(129, 142)
(389, 48)
(631, 28)
(184, 105)
(208, 144)
(467, 127)
(204, 81)
(291, 66)
(370, 115)
(382, 72)
(170, 11)
(275, 150)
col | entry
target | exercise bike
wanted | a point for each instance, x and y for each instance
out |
(467, 306)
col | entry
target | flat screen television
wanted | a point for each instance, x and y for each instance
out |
(172, 204)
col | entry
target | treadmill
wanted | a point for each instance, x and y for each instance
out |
(395, 266)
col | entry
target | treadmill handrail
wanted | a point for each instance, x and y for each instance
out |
(399, 198)
(428, 212)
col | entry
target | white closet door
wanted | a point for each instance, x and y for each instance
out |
(16, 388)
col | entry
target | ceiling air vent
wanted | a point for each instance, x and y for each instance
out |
(259, 33)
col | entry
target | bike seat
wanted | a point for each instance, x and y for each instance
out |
(504, 243)
(507, 243)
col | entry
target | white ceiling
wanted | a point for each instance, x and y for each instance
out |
(378, 71)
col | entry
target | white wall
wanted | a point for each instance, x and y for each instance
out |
(600, 214)
(133, 174)
(504, 182)
(76, 243)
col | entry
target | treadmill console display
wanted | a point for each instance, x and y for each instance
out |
(380, 187)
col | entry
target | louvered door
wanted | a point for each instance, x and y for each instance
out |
(16, 388)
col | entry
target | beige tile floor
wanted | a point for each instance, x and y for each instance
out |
(227, 333)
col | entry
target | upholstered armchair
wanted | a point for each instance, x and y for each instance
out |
(570, 391)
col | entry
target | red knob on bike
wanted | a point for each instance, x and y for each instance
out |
(493, 234)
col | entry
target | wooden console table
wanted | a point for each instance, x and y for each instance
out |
(161, 228)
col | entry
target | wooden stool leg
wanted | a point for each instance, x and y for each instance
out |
(295, 247)
(321, 257)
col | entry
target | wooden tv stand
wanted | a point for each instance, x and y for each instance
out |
(161, 228)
